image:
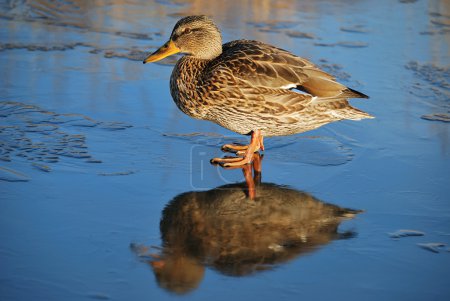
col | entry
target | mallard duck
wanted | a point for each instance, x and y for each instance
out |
(250, 87)
(220, 229)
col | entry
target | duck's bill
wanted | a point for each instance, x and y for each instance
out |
(164, 51)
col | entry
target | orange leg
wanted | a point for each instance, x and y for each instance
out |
(251, 187)
(250, 181)
(257, 168)
(245, 153)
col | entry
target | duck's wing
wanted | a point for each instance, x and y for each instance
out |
(263, 65)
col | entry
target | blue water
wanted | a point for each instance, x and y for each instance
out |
(93, 149)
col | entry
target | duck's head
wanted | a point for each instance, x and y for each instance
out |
(196, 36)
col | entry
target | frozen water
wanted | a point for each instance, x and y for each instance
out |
(93, 149)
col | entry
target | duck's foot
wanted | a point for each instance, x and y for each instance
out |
(231, 161)
(244, 152)
(239, 149)
(234, 148)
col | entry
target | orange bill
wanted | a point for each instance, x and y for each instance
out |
(164, 51)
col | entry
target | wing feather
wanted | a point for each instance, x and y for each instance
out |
(263, 65)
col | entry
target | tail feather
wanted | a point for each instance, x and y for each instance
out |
(351, 113)
(340, 108)
(350, 93)
(326, 87)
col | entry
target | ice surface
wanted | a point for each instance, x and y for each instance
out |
(92, 149)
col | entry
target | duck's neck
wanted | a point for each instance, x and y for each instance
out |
(210, 52)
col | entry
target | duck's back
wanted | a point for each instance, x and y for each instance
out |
(253, 85)
(264, 65)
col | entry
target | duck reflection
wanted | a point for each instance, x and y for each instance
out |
(225, 229)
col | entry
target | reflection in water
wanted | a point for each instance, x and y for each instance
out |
(226, 230)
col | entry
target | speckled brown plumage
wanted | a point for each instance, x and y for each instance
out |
(221, 229)
(248, 86)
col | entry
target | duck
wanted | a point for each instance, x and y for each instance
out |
(220, 230)
(250, 87)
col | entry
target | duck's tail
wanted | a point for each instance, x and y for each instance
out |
(347, 213)
(351, 113)
(350, 93)
(339, 108)
(323, 85)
